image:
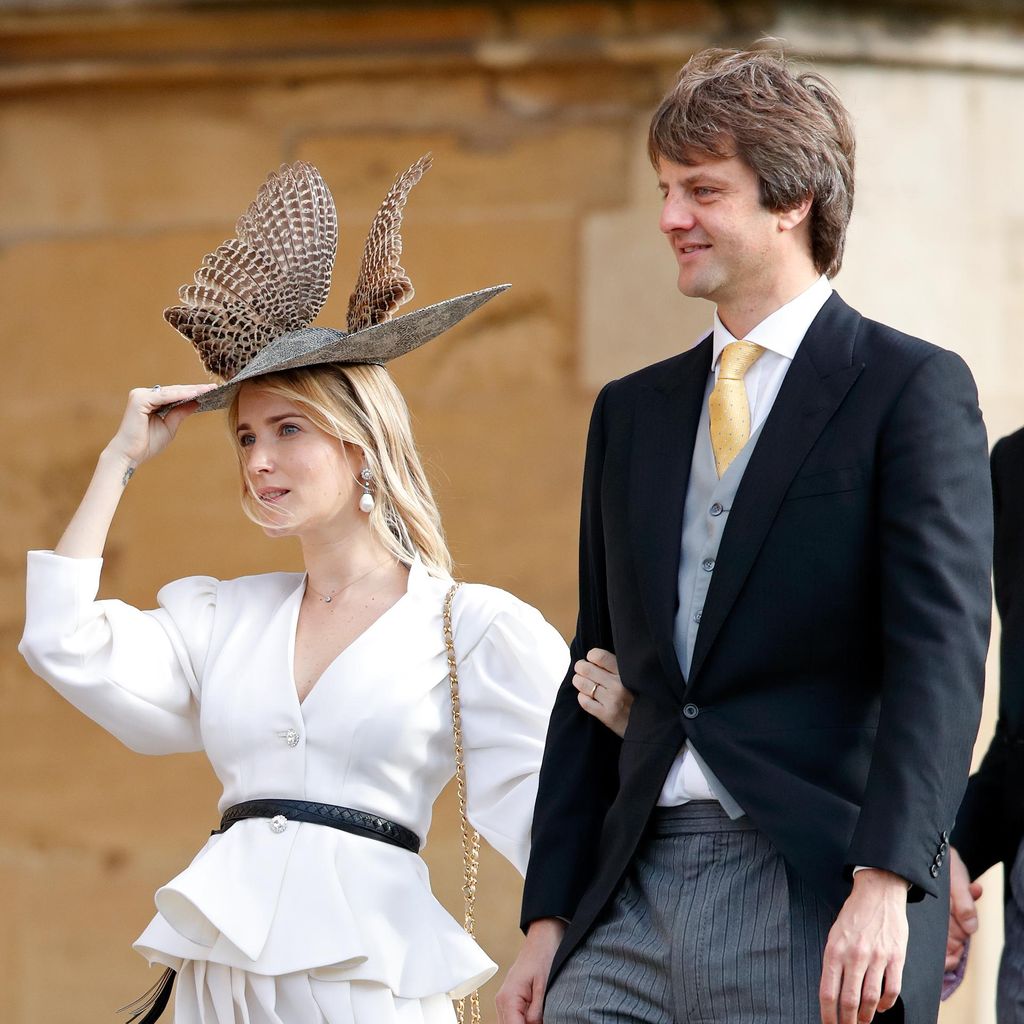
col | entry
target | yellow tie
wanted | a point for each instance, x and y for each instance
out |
(728, 405)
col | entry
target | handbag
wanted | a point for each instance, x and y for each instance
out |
(951, 979)
(470, 836)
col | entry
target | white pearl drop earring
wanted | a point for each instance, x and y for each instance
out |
(366, 498)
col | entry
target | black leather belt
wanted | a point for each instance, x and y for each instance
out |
(359, 823)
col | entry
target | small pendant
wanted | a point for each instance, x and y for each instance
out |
(328, 599)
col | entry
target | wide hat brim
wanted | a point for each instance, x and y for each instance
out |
(379, 343)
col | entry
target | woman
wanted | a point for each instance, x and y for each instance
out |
(322, 698)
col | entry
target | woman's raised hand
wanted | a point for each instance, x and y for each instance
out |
(143, 433)
(601, 691)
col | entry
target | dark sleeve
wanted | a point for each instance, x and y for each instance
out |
(979, 833)
(978, 836)
(935, 551)
(579, 774)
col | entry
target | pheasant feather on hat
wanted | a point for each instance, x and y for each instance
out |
(254, 298)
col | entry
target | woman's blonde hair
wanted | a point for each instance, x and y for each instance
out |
(360, 404)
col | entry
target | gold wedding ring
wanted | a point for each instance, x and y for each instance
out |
(593, 692)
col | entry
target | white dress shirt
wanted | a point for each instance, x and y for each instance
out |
(780, 335)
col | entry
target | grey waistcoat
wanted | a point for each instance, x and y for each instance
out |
(705, 513)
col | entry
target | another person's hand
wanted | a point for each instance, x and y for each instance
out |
(142, 433)
(963, 912)
(862, 971)
(601, 691)
(520, 999)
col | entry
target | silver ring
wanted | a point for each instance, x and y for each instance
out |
(155, 387)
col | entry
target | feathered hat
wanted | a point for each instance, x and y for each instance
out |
(250, 309)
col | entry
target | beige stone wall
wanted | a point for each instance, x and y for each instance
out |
(129, 144)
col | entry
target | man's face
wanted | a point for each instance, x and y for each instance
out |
(724, 240)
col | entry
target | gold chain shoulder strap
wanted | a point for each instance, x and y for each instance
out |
(470, 836)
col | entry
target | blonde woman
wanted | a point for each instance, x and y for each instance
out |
(321, 698)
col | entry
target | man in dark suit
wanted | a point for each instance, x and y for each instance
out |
(990, 823)
(786, 543)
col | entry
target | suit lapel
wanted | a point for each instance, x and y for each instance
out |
(818, 380)
(665, 428)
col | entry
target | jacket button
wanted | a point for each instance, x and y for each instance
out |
(935, 871)
(690, 711)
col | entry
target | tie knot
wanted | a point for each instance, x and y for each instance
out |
(737, 358)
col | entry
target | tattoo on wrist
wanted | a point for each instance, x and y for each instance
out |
(128, 474)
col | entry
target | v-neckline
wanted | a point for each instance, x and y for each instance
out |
(297, 596)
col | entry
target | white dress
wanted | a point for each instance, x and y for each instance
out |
(310, 924)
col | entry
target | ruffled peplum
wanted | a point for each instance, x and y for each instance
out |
(316, 899)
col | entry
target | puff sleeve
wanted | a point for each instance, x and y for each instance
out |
(135, 673)
(508, 678)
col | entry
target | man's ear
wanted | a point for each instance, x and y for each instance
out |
(790, 219)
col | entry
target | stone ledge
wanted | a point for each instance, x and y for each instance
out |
(537, 12)
(928, 43)
(63, 46)
(255, 42)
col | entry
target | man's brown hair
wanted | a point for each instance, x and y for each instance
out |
(791, 129)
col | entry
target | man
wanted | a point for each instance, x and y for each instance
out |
(990, 823)
(785, 541)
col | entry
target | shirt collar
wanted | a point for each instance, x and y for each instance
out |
(782, 331)
(418, 575)
(422, 579)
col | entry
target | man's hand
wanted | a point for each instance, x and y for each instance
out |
(863, 965)
(520, 999)
(963, 914)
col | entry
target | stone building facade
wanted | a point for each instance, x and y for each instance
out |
(131, 136)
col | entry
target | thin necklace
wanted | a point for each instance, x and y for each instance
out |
(328, 598)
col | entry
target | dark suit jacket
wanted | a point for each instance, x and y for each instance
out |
(990, 825)
(836, 681)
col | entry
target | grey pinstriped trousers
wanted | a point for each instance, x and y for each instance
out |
(707, 927)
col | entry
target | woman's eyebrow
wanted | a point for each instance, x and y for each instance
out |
(273, 419)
